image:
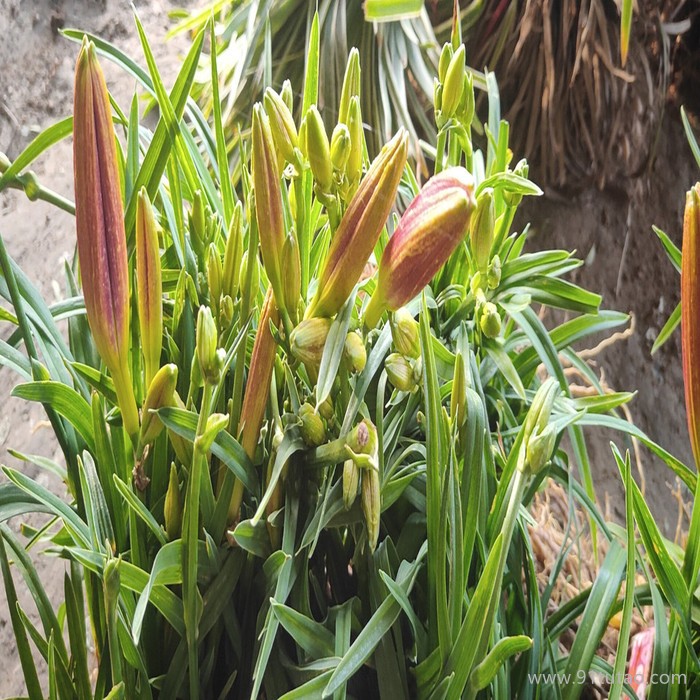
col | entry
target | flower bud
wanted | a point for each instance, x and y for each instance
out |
(355, 352)
(233, 254)
(359, 229)
(493, 276)
(284, 131)
(539, 449)
(149, 286)
(215, 424)
(226, 312)
(268, 201)
(445, 58)
(207, 339)
(318, 149)
(287, 95)
(291, 264)
(490, 320)
(312, 429)
(351, 481)
(481, 229)
(172, 508)
(340, 147)
(351, 86)
(353, 168)
(255, 277)
(467, 106)
(405, 333)
(541, 408)
(160, 394)
(363, 439)
(111, 584)
(99, 219)
(327, 411)
(214, 275)
(513, 199)
(371, 505)
(429, 231)
(30, 185)
(690, 309)
(400, 372)
(198, 224)
(308, 340)
(453, 85)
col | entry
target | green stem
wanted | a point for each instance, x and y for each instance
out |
(440, 150)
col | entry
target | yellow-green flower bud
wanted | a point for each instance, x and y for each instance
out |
(287, 95)
(226, 312)
(371, 505)
(111, 584)
(363, 439)
(326, 410)
(400, 372)
(513, 199)
(255, 272)
(405, 333)
(351, 86)
(172, 508)
(160, 394)
(445, 58)
(198, 224)
(149, 286)
(214, 275)
(481, 229)
(355, 351)
(31, 186)
(493, 277)
(318, 150)
(284, 131)
(340, 147)
(490, 320)
(466, 108)
(351, 482)
(353, 168)
(291, 265)
(539, 449)
(233, 254)
(215, 424)
(453, 85)
(540, 411)
(208, 357)
(308, 340)
(312, 429)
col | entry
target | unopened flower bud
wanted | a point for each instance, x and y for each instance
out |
(233, 254)
(30, 184)
(351, 481)
(513, 199)
(353, 168)
(312, 429)
(445, 58)
(481, 229)
(226, 312)
(215, 424)
(539, 449)
(371, 505)
(198, 224)
(318, 149)
(111, 584)
(284, 131)
(160, 394)
(172, 508)
(287, 95)
(355, 351)
(363, 439)
(326, 410)
(541, 407)
(490, 320)
(351, 86)
(209, 360)
(453, 85)
(493, 277)
(308, 340)
(466, 108)
(214, 275)
(291, 265)
(405, 333)
(400, 372)
(340, 147)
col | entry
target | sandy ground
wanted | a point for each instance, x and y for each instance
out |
(36, 73)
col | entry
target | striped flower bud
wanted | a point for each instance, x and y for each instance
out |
(198, 224)
(149, 286)
(313, 432)
(318, 150)
(481, 229)
(351, 85)
(99, 218)
(360, 227)
(172, 508)
(453, 85)
(308, 340)
(340, 147)
(445, 58)
(215, 424)
(371, 505)
(268, 201)
(541, 408)
(404, 333)
(287, 95)
(160, 394)
(690, 307)
(353, 168)
(291, 264)
(351, 481)
(493, 276)
(233, 254)
(284, 131)
(513, 199)
(467, 106)
(429, 231)
(539, 449)
(490, 320)
(363, 439)
(400, 372)
(355, 351)
(207, 348)
(214, 271)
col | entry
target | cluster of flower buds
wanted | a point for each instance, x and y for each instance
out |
(432, 227)
(539, 435)
(404, 367)
(313, 429)
(284, 132)
(403, 373)
(361, 472)
(453, 92)
(210, 357)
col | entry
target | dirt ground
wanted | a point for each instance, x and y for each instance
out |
(36, 74)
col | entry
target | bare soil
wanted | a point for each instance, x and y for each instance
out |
(610, 229)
